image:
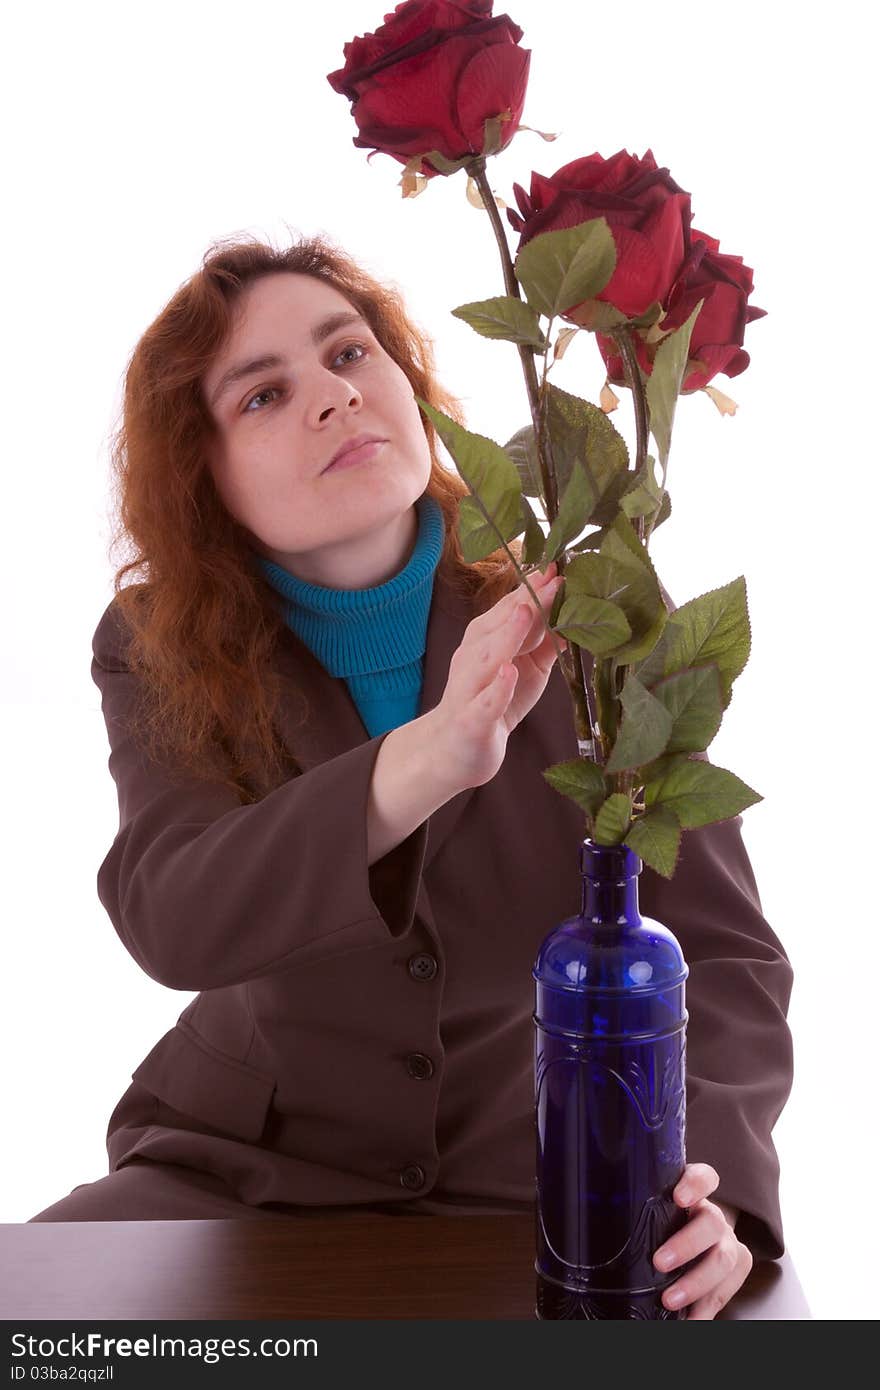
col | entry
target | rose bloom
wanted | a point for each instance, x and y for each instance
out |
(430, 77)
(724, 283)
(648, 214)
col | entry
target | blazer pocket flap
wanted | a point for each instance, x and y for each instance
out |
(190, 1075)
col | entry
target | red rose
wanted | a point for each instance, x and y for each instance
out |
(648, 214)
(725, 284)
(430, 77)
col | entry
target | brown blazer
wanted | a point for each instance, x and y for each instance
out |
(364, 1035)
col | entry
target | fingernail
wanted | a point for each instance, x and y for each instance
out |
(664, 1261)
(675, 1298)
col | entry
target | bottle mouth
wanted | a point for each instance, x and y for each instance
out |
(608, 863)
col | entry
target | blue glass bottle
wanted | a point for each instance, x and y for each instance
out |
(610, 1040)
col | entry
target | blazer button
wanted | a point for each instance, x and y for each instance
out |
(413, 1176)
(422, 967)
(419, 1066)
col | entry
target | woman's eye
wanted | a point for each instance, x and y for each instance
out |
(268, 390)
(361, 349)
(265, 392)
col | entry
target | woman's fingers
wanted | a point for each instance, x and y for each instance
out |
(488, 662)
(711, 1303)
(697, 1180)
(706, 1234)
(495, 695)
(488, 690)
(498, 614)
(536, 629)
(707, 1276)
(705, 1228)
(519, 632)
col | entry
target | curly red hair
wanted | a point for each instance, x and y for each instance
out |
(201, 623)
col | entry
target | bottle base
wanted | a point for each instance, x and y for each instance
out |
(553, 1302)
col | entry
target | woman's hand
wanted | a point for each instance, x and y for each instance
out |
(713, 1281)
(496, 675)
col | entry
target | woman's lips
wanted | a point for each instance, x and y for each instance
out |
(354, 456)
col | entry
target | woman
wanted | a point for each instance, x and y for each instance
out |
(327, 733)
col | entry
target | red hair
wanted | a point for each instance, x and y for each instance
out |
(201, 623)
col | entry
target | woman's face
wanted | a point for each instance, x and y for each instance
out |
(278, 427)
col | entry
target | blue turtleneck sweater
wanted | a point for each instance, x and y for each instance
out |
(374, 638)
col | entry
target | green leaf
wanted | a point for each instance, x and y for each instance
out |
(479, 536)
(659, 662)
(494, 511)
(664, 383)
(520, 447)
(664, 512)
(533, 545)
(612, 822)
(644, 730)
(642, 601)
(644, 496)
(592, 623)
(575, 505)
(645, 640)
(504, 317)
(622, 580)
(599, 575)
(711, 628)
(700, 793)
(652, 772)
(599, 588)
(652, 315)
(597, 316)
(591, 542)
(581, 780)
(582, 433)
(655, 837)
(559, 270)
(622, 544)
(693, 700)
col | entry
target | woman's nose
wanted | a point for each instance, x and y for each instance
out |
(338, 395)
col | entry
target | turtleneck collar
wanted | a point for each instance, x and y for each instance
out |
(356, 632)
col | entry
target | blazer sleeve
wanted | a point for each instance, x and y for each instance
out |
(206, 892)
(739, 1055)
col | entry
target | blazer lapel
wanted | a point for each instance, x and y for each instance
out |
(334, 725)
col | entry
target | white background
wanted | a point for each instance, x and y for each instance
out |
(137, 135)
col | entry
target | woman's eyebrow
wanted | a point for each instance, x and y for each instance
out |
(270, 360)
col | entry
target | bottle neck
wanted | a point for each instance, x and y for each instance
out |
(610, 884)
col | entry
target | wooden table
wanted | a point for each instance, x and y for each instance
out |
(351, 1265)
